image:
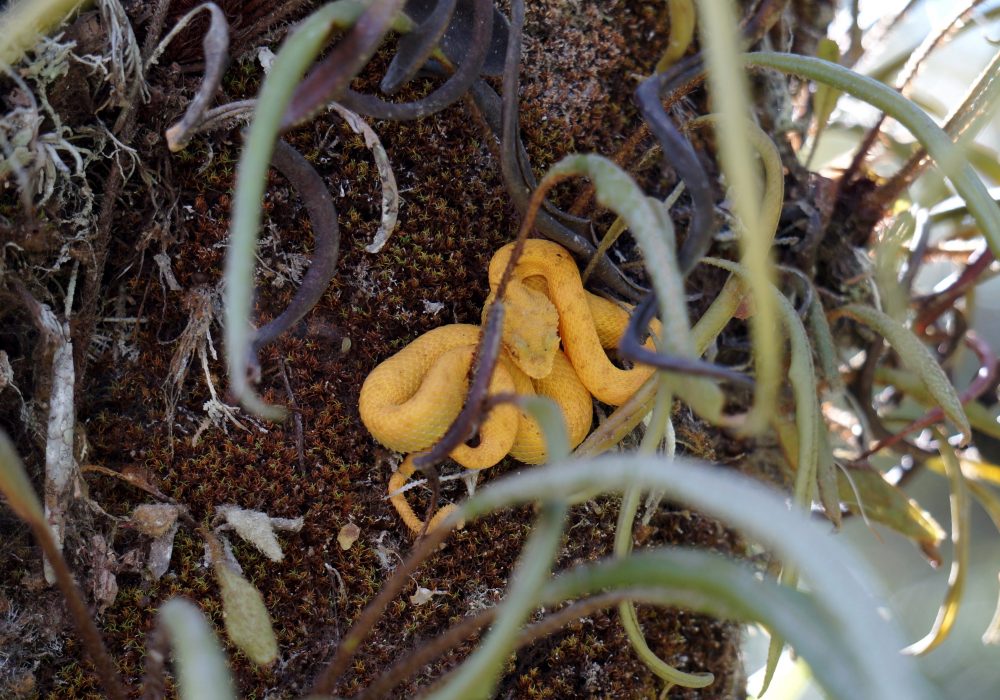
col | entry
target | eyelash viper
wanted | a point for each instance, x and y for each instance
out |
(554, 339)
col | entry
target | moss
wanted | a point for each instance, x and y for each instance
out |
(455, 213)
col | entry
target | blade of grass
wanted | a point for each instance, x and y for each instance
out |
(477, 676)
(728, 88)
(917, 357)
(658, 427)
(654, 233)
(710, 584)
(961, 526)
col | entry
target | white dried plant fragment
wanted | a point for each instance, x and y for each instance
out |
(154, 519)
(159, 521)
(7, 375)
(432, 307)
(62, 473)
(258, 528)
(160, 551)
(423, 595)
(265, 56)
(390, 192)
(348, 535)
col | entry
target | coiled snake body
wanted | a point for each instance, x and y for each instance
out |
(410, 399)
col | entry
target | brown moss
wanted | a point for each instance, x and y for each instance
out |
(455, 213)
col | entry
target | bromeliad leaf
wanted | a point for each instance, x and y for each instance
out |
(918, 358)
(201, 669)
(866, 492)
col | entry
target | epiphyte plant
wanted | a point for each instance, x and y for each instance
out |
(802, 326)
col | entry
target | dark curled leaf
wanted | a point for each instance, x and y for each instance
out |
(215, 45)
(679, 154)
(467, 422)
(330, 77)
(326, 232)
(474, 410)
(448, 93)
(631, 347)
(490, 107)
(416, 47)
(458, 35)
(502, 118)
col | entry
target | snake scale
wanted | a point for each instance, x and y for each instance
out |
(555, 338)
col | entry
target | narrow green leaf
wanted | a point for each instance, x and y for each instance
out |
(729, 90)
(682, 21)
(938, 144)
(918, 358)
(990, 502)
(23, 21)
(867, 493)
(654, 232)
(16, 486)
(247, 622)
(840, 582)
(823, 345)
(802, 376)
(827, 474)
(299, 50)
(961, 529)
(659, 425)
(889, 257)
(200, 665)
(826, 97)
(711, 584)
(477, 677)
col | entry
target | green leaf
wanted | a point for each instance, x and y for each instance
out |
(961, 530)
(23, 21)
(200, 665)
(823, 344)
(711, 584)
(247, 622)
(889, 257)
(916, 357)
(939, 145)
(729, 90)
(654, 232)
(297, 53)
(826, 97)
(682, 21)
(477, 677)
(866, 492)
(840, 583)
(16, 486)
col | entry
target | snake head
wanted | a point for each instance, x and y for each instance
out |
(530, 328)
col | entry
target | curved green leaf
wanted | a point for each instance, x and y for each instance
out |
(840, 582)
(654, 232)
(916, 357)
(713, 585)
(477, 677)
(200, 665)
(938, 144)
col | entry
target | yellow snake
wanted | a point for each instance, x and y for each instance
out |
(554, 339)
